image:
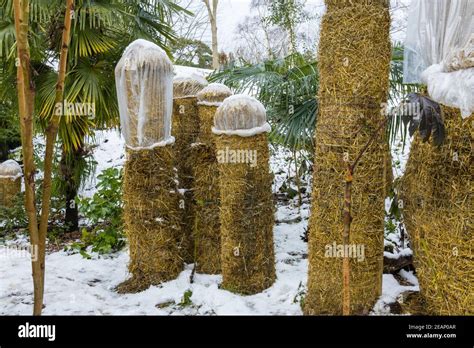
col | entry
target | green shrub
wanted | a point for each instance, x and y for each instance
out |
(186, 300)
(103, 213)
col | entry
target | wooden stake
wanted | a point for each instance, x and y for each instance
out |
(346, 271)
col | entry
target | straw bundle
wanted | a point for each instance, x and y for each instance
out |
(151, 218)
(150, 192)
(438, 198)
(247, 210)
(354, 63)
(206, 183)
(185, 129)
(10, 182)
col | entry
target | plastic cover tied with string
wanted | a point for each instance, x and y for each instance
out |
(144, 81)
(10, 182)
(439, 51)
(213, 94)
(188, 86)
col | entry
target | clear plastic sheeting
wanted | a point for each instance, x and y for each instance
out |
(188, 86)
(241, 115)
(213, 94)
(460, 59)
(454, 89)
(435, 29)
(144, 81)
(10, 169)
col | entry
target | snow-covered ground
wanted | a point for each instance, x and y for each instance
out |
(75, 285)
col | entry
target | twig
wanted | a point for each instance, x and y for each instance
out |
(191, 277)
(346, 271)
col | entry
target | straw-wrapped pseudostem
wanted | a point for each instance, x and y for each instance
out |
(150, 192)
(185, 129)
(151, 218)
(354, 59)
(10, 182)
(438, 200)
(245, 181)
(206, 182)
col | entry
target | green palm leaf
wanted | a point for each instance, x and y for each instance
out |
(288, 88)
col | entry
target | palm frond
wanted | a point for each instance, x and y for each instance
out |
(397, 127)
(7, 38)
(288, 88)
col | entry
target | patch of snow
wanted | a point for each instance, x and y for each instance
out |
(409, 276)
(181, 71)
(402, 253)
(391, 291)
(109, 153)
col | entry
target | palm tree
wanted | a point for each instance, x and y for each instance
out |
(354, 63)
(101, 30)
(437, 195)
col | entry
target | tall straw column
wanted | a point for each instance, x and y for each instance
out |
(10, 182)
(438, 198)
(186, 129)
(354, 59)
(207, 240)
(144, 78)
(245, 181)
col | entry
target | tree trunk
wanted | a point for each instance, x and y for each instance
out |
(26, 96)
(68, 172)
(25, 102)
(354, 64)
(212, 13)
(215, 48)
(437, 194)
(71, 218)
(53, 126)
(51, 134)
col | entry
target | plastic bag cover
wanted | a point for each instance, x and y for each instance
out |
(144, 82)
(435, 28)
